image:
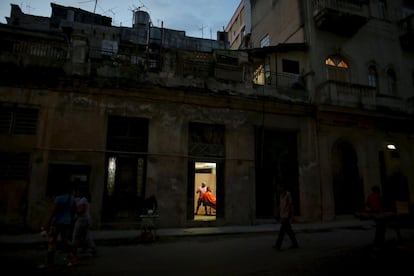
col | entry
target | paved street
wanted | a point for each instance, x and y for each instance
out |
(330, 252)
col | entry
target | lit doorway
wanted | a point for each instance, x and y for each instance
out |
(205, 172)
(207, 151)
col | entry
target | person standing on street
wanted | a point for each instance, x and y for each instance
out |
(59, 223)
(81, 230)
(374, 206)
(285, 215)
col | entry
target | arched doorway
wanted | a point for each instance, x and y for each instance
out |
(347, 184)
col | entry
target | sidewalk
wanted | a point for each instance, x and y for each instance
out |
(129, 235)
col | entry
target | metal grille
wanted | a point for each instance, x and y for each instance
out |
(18, 120)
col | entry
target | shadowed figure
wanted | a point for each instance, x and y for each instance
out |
(285, 215)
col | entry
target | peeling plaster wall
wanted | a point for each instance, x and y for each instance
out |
(73, 129)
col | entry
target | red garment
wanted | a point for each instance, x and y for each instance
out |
(209, 199)
(374, 202)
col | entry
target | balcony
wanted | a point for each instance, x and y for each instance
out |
(283, 86)
(359, 96)
(343, 17)
(346, 94)
(31, 59)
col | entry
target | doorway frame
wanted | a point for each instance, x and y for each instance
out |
(191, 195)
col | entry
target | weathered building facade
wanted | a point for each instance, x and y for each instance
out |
(359, 75)
(141, 111)
(236, 28)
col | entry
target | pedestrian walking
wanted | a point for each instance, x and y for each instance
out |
(374, 207)
(81, 236)
(59, 223)
(285, 215)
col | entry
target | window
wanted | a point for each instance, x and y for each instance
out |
(128, 134)
(268, 76)
(391, 82)
(225, 59)
(15, 120)
(258, 75)
(337, 68)
(265, 42)
(290, 66)
(382, 9)
(109, 47)
(407, 8)
(262, 74)
(372, 76)
(206, 140)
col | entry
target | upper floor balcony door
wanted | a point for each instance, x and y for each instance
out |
(338, 89)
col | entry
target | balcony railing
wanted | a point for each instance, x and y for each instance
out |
(346, 94)
(286, 86)
(35, 53)
(359, 96)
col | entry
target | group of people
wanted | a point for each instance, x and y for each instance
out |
(205, 198)
(70, 222)
(373, 205)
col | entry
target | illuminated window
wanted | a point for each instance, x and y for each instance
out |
(259, 76)
(336, 61)
(337, 69)
(262, 74)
